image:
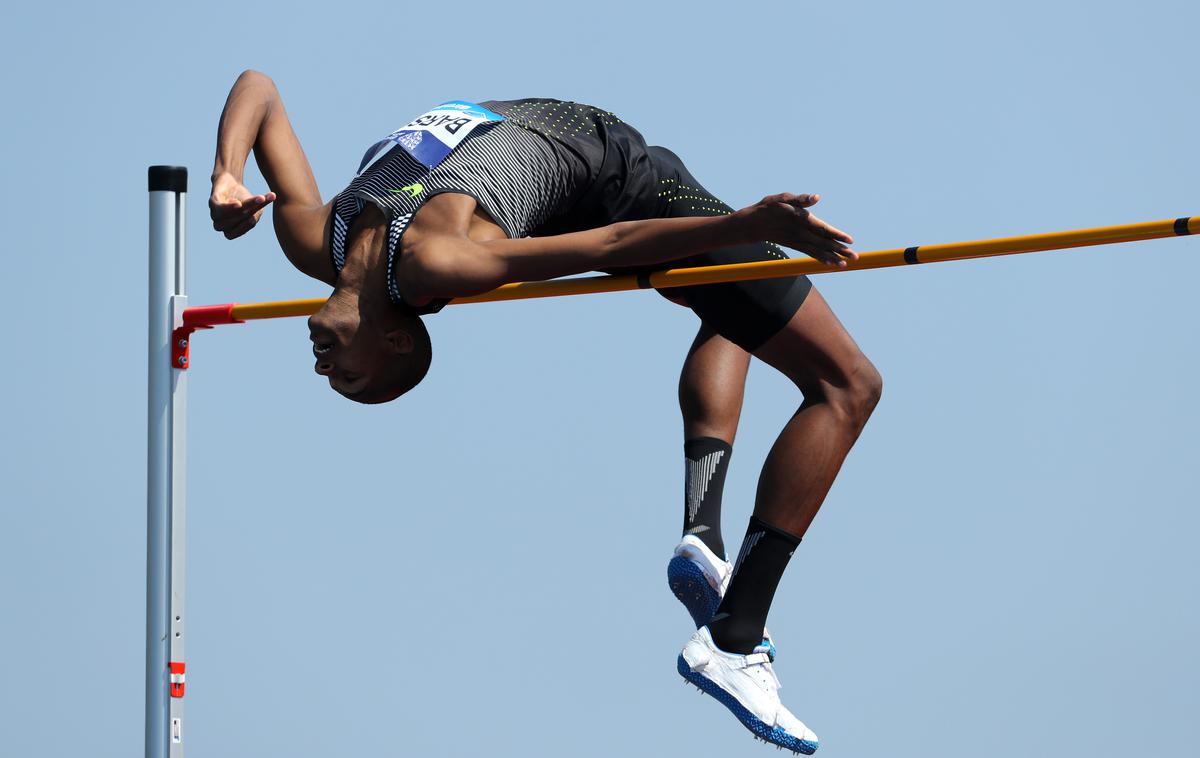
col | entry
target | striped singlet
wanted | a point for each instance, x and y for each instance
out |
(527, 172)
(553, 167)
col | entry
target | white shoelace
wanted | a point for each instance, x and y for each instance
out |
(759, 666)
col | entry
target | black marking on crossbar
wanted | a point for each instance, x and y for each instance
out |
(643, 280)
(910, 255)
(1181, 226)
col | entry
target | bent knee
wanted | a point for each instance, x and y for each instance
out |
(871, 386)
(857, 396)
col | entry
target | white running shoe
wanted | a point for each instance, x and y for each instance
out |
(699, 578)
(747, 686)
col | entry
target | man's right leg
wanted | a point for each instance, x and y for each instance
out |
(711, 388)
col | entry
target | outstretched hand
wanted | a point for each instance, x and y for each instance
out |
(784, 219)
(234, 209)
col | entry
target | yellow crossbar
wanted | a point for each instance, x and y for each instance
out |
(683, 277)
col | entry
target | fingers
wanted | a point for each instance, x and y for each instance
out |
(829, 232)
(828, 251)
(816, 225)
(801, 230)
(797, 201)
(238, 230)
(243, 207)
(228, 215)
(826, 242)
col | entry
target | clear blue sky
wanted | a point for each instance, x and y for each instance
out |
(1007, 562)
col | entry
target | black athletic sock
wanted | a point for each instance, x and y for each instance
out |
(738, 624)
(706, 460)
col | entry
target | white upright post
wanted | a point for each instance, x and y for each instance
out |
(165, 466)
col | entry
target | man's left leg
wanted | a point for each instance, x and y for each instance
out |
(726, 658)
(840, 389)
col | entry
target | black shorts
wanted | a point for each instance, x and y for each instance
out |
(620, 178)
(631, 181)
(745, 313)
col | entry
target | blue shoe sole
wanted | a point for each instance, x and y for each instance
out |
(757, 727)
(693, 590)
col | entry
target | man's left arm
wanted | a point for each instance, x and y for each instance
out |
(447, 266)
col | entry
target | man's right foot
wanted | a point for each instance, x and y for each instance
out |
(747, 686)
(698, 577)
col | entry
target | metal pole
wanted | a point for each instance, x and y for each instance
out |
(165, 503)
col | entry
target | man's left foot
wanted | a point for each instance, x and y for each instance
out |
(748, 687)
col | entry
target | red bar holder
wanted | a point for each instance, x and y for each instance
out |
(198, 317)
(177, 677)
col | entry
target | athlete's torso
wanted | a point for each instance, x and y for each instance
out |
(533, 167)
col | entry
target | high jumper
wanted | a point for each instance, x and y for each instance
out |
(468, 197)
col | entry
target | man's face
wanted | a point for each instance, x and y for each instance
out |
(346, 352)
(368, 357)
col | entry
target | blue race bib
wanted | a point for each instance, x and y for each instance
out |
(430, 137)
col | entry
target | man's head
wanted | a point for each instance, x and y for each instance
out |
(372, 352)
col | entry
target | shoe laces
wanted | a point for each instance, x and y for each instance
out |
(758, 666)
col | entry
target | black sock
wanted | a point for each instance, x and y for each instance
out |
(738, 624)
(706, 460)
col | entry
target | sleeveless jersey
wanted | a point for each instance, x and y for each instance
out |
(529, 172)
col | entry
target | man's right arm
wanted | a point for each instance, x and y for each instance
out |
(447, 263)
(254, 118)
